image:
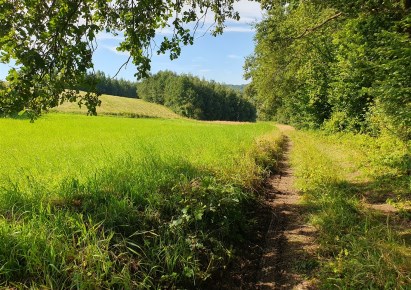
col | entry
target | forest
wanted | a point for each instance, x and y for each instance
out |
(336, 65)
(104, 84)
(192, 97)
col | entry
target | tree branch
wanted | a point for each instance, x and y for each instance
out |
(123, 65)
(312, 29)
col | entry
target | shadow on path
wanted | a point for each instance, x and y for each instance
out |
(289, 254)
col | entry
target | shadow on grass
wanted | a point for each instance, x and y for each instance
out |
(360, 247)
(150, 224)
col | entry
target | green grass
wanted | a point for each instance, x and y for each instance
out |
(120, 106)
(360, 248)
(104, 202)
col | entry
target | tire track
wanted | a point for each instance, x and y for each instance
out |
(289, 254)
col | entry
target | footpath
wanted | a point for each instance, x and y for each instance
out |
(289, 244)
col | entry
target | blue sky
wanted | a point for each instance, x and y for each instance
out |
(218, 58)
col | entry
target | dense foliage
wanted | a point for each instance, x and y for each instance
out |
(103, 84)
(52, 42)
(195, 98)
(341, 65)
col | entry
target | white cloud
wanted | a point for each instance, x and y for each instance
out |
(249, 11)
(108, 36)
(114, 49)
(237, 27)
(241, 29)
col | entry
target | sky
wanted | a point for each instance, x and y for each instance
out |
(218, 58)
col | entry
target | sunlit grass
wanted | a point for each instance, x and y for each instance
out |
(360, 248)
(105, 202)
(57, 146)
(129, 107)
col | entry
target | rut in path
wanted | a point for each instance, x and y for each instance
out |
(288, 256)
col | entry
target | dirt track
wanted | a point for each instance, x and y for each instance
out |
(289, 250)
(282, 252)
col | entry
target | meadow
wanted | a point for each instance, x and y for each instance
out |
(107, 202)
(121, 106)
(149, 203)
(356, 191)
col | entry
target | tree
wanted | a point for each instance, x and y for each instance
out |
(103, 84)
(192, 97)
(335, 64)
(52, 42)
(290, 66)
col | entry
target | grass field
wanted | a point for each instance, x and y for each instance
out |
(120, 106)
(357, 191)
(135, 203)
(105, 202)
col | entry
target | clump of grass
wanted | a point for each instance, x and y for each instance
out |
(166, 214)
(267, 152)
(359, 248)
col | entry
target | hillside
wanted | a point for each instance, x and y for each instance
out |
(113, 105)
(239, 88)
(196, 98)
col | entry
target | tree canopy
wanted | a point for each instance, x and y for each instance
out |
(52, 42)
(192, 97)
(342, 65)
(104, 84)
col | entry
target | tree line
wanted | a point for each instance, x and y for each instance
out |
(192, 97)
(104, 84)
(334, 64)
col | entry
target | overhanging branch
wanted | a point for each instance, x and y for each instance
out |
(312, 29)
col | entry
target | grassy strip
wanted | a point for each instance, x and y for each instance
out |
(359, 248)
(150, 220)
(115, 114)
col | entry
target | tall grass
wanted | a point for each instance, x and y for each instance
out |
(102, 203)
(360, 248)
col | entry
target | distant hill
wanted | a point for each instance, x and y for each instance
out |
(239, 88)
(121, 106)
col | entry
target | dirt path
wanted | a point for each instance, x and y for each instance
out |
(289, 251)
(281, 254)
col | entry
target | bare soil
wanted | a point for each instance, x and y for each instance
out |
(289, 255)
